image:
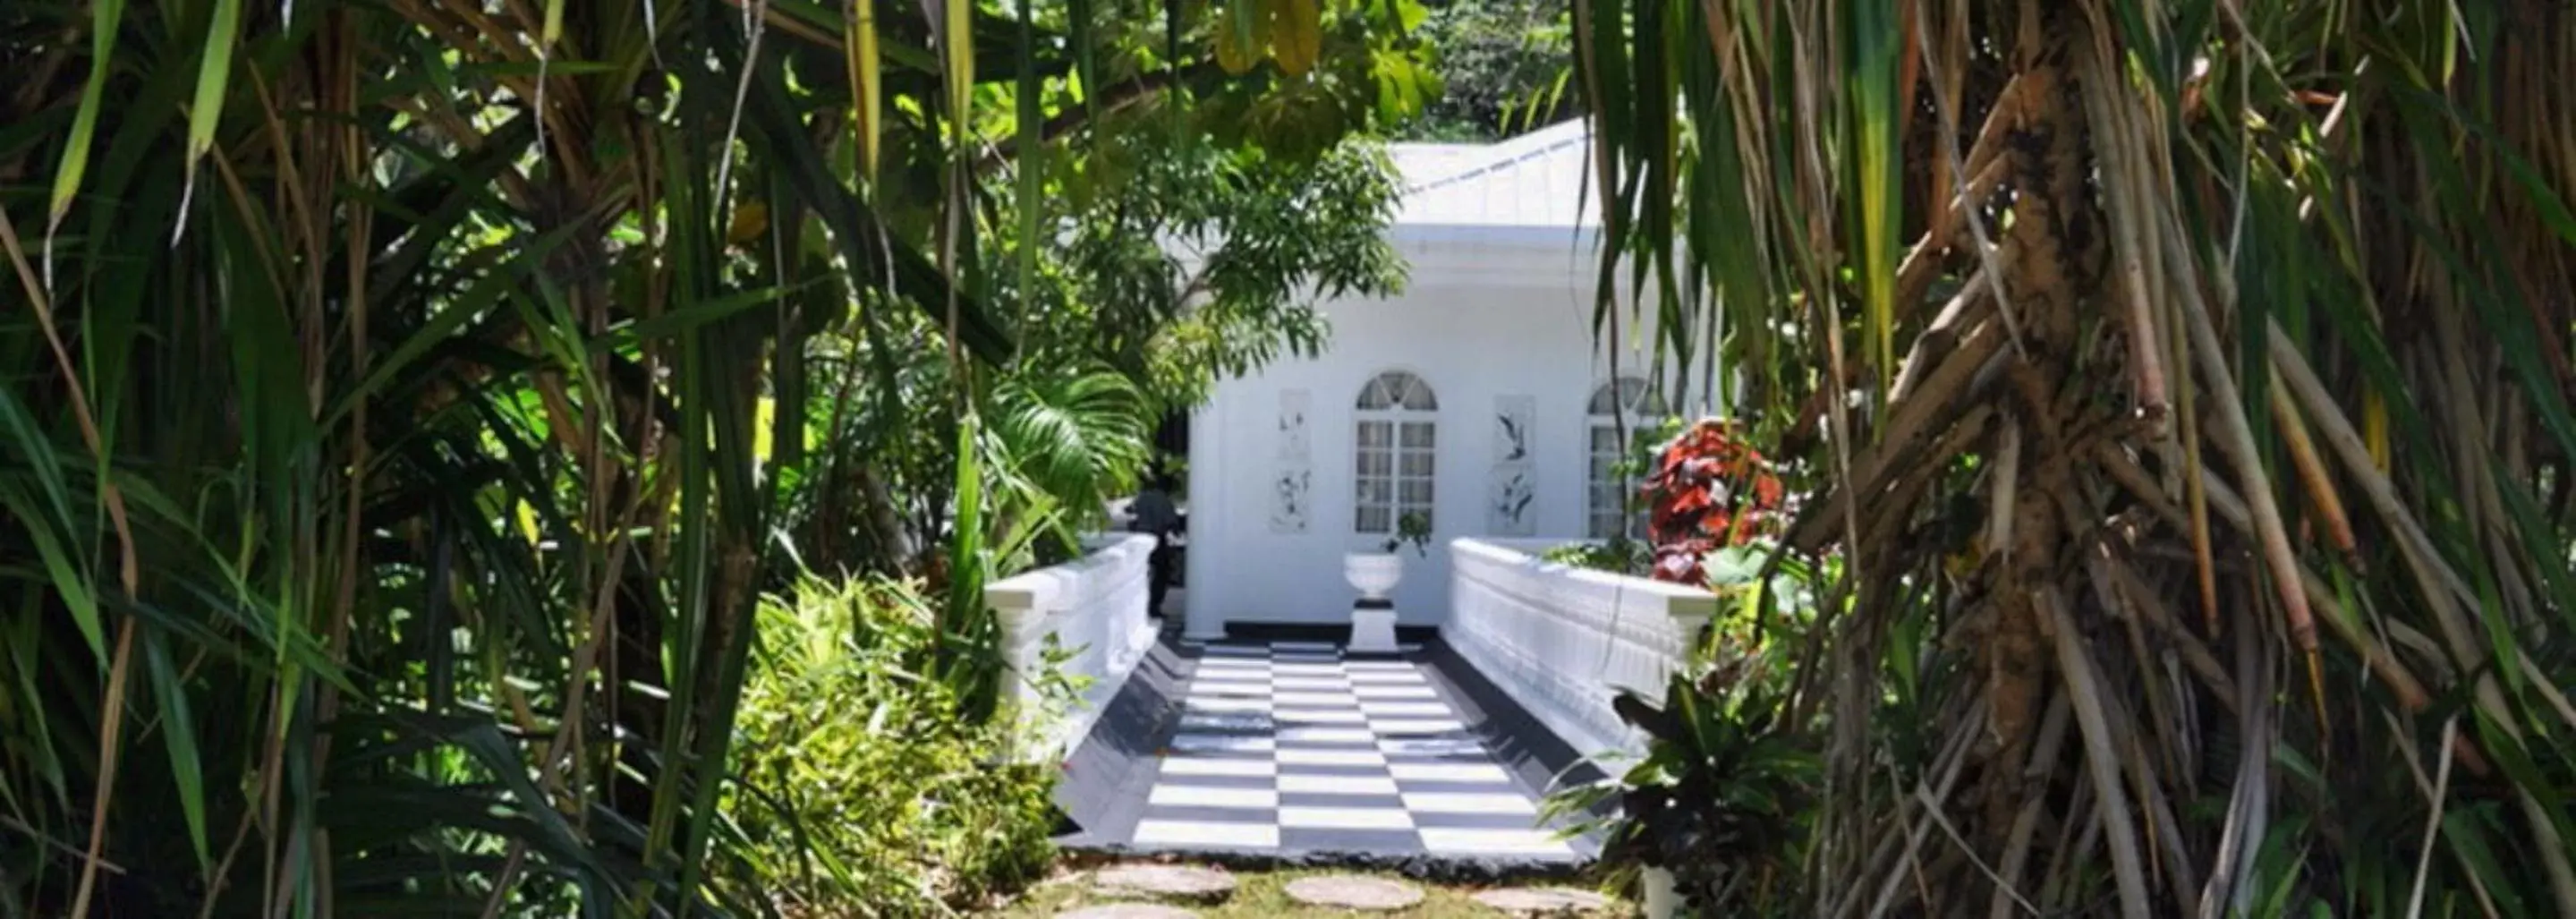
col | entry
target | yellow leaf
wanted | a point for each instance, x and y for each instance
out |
(2374, 426)
(1296, 34)
(860, 47)
(750, 218)
(527, 519)
(1239, 38)
(763, 426)
(958, 38)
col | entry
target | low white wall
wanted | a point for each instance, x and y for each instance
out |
(1562, 640)
(1094, 608)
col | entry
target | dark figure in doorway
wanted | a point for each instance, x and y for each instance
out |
(1153, 512)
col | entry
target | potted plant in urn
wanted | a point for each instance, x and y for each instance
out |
(1374, 574)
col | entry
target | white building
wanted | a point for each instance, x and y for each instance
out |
(1478, 398)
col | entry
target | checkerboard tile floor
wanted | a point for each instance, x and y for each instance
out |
(1290, 747)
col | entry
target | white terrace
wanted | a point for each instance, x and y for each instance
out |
(1478, 402)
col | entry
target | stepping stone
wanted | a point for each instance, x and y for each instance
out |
(1545, 901)
(1350, 891)
(1187, 883)
(1129, 911)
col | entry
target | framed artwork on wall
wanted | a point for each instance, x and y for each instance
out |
(1511, 496)
(1295, 413)
(1292, 477)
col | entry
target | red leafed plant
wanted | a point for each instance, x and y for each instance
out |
(1708, 489)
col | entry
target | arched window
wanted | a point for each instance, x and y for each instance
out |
(1397, 437)
(1627, 403)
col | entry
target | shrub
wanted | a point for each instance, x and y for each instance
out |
(861, 789)
(1725, 796)
(1709, 489)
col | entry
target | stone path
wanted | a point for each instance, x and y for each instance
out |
(1289, 747)
(1185, 883)
(1129, 911)
(1164, 890)
(1351, 891)
(1545, 901)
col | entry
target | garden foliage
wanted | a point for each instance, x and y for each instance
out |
(2186, 388)
(404, 407)
(863, 789)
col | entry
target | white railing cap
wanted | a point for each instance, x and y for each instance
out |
(1037, 589)
(1677, 600)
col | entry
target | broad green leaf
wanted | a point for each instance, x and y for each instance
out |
(1239, 38)
(1877, 41)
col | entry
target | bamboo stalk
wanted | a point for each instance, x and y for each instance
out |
(1949, 766)
(2312, 473)
(2437, 796)
(1922, 263)
(1940, 338)
(2124, 199)
(2270, 534)
(2250, 797)
(1938, 403)
(2195, 655)
(2101, 758)
(2044, 753)
(2410, 691)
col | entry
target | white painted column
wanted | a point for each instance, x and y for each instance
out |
(1209, 467)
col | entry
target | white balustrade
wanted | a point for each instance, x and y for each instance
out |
(1561, 640)
(1094, 609)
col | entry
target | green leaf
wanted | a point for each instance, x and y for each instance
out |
(1239, 39)
(179, 728)
(1031, 164)
(105, 18)
(70, 579)
(690, 317)
(484, 295)
(214, 75)
(1877, 35)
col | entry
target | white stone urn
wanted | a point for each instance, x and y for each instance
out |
(1373, 573)
(1373, 617)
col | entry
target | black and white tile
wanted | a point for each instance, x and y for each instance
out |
(1290, 747)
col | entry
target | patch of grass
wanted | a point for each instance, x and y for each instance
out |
(1264, 895)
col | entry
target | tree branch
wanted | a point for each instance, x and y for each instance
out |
(1118, 96)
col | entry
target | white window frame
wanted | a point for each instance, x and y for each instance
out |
(1403, 412)
(1634, 404)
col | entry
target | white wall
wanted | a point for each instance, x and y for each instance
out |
(1562, 641)
(1094, 609)
(1487, 313)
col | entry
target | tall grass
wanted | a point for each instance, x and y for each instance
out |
(404, 404)
(2240, 332)
(398, 399)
